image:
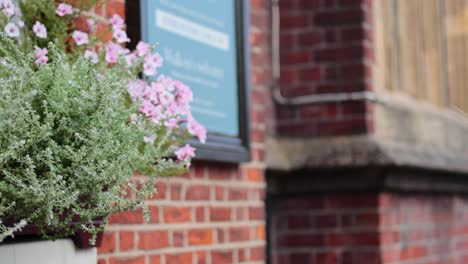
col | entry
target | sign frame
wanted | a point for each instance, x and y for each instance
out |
(219, 148)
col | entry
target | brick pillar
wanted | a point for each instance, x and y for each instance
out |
(326, 47)
(359, 182)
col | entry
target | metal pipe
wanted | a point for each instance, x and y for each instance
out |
(304, 99)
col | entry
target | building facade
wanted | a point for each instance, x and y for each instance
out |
(358, 145)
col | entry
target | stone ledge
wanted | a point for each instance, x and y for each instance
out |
(289, 154)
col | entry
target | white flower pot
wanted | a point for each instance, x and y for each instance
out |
(61, 251)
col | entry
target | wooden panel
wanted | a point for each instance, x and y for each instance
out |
(410, 48)
(456, 23)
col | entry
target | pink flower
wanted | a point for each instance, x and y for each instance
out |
(152, 62)
(155, 59)
(21, 23)
(80, 37)
(41, 56)
(90, 22)
(136, 88)
(172, 123)
(113, 52)
(142, 48)
(149, 69)
(131, 58)
(40, 30)
(117, 22)
(120, 36)
(12, 30)
(149, 139)
(184, 94)
(8, 8)
(92, 56)
(185, 153)
(64, 9)
(195, 129)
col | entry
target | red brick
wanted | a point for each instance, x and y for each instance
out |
(115, 7)
(238, 194)
(221, 256)
(127, 240)
(256, 213)
(182, 258)
(176, 191)
(154, 214)
(161, 190)
(300, 258)
(353, 239)
(198, 192)
(129, 260)
(200, 214)
(178, 238)
(300, 240)
(220, 214)
(153, 239)
(327, 257)
(200, 236)
(202, 257)
(129, 217)
(237, 234)
(155, 259)
(299, 221)
(258, 254)
(108, 243)
(260, 233)
(177, 214)
(293, 21)
(255, 174)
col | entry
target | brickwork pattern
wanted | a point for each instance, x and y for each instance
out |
(325, 229)
(370, 228)
(215, 213)
(326, 47)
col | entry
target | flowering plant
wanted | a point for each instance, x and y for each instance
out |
(76, 121)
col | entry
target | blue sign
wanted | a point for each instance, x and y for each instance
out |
(197, 39)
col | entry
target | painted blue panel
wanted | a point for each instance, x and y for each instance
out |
(197, 39)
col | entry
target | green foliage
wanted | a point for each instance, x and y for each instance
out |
(67, 146)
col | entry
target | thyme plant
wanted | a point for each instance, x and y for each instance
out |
(76, 122)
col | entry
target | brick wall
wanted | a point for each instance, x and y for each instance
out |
(370, 228)
(326, 229)
(215, 213)
(326, 47)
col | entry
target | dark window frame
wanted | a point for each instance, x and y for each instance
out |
(218, 147)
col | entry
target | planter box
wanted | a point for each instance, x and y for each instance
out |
(61, 251)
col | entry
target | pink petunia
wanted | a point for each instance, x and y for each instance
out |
(154, 59)
(12, 30)
(113, 51)
(196, 129)
(92, 56)
(40, 30)
(120, 36)
(80, 38)
(142, 48)
(41, 56)
(117, 22)
(149, 139)
(131, 58)
(8, 8)
(136, 88)
(185, 153)
(64, 9)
